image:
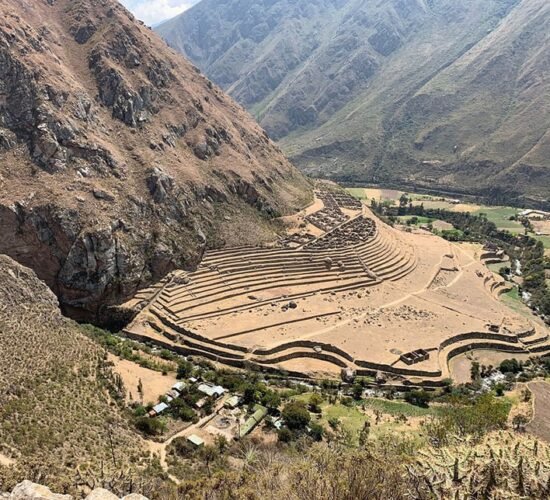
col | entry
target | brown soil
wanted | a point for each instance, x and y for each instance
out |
(154, 383)
(383, 293)
(540, 424)
(541, 226)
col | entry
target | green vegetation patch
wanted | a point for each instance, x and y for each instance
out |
(500, 216)
(357, 193)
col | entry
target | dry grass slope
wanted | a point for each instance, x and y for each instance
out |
(57, 417)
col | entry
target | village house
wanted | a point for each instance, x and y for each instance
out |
(210, 390)
(158, 409)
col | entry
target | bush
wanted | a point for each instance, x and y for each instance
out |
(285, 435)
(316, 431)
(486, 413)
(347, 401)
(315, 401)
(510, 366)
(140, 411)
(418, 398)
(357, 391)
(150, 426)
(296, 416)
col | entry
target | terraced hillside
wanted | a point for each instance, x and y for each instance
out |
(343, 291)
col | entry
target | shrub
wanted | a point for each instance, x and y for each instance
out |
(315, 401)
(285, 435)
(418, 398)
(510, 366)
(296, 416)
(316, 431)
(150, 426)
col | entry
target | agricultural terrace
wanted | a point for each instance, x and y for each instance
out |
(341, 291)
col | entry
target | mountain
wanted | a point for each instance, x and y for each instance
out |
(59, 422)
(444, 94)
(118, 161)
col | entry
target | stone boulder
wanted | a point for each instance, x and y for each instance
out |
(31, 491)
(28, 490)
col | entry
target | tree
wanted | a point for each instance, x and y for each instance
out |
(271, 399)
(209, 454)
(150, 426)
(315, 401)
(180, 409)
(364, 434)
(418, 398)
(296, 416)
(357, 391)
(185, 369)
(519, 422)
(249, 395)
(510, 366)
(475, 371)
(140, 389)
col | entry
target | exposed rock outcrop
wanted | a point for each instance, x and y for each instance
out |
(117, 156)
(32, 491)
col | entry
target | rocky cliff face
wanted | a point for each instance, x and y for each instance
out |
(446, 94)
(117, 156)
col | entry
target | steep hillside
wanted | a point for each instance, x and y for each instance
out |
(444, 94)
(59, 423)
(118, 160)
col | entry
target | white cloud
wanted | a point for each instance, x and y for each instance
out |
(153, 12)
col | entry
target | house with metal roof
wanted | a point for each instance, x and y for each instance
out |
(160, 408)
(210, 390)
(232, 402)
(259, 414)
(180, 386)
(195, 440)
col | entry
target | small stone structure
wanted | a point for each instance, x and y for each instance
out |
(414, 357)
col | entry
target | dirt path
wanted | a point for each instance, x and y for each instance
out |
(161, 448)
(540, 423)
(382, 307)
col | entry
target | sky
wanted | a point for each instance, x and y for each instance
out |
(152, 12)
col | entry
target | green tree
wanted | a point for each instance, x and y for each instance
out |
(357, 391)
(185, 369)
(315, 402)
(296, 416)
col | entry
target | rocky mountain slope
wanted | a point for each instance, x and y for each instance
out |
(118, 160)
(60, 423)
(451, 95)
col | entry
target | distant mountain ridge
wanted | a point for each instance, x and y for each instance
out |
(448, 95)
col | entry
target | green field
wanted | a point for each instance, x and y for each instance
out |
(421, 220)
(545, 240)
(501, 217)
(513, 300)
(357, 193)
(496, 267)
